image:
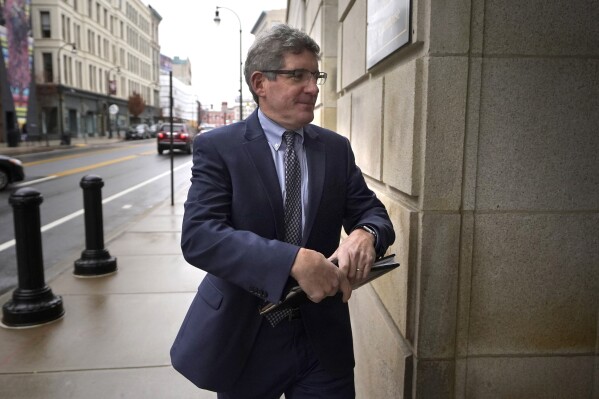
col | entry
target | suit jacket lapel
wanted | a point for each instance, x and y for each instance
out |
(259, 152)
(315, 154)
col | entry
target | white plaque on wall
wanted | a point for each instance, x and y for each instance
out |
(388, 28)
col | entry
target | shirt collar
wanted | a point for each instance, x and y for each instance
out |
(274, 131)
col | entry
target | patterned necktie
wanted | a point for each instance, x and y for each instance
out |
(293, 192)
(293, 209)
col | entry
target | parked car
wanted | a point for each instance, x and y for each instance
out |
(206, 128)
(182, 137)
(139, 131)
(154, 129)
(11, 170)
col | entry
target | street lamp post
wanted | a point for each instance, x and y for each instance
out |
(63, 139)
(217, 21)
(109, 93)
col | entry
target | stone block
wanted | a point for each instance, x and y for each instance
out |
(329, 20)
(295, 14)
(353, 45)
(326, 117)
(535, 286)
(541, 28)
(477, 27)
(439, 236)
(312, 13)
(530, 377)
(393, 288)
(538, 141)
(472, 133)
(342, 8)
(318, 116)
(454, 17)
(401, 152)
(329, 118)
(434, 378)
(445, 115)
(344, 114)
(328, 94)
(380, 350)
(366, 127)
(465, 282)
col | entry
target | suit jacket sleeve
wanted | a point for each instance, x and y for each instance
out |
(363, 207)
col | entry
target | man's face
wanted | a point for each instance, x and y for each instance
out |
(287, 100)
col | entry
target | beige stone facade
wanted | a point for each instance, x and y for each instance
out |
(89, 55)
(481, 136)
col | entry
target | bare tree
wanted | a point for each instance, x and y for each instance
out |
(136, 104)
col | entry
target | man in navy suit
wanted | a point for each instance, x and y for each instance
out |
(234, 229)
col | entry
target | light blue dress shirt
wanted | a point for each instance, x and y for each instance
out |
(274, 136)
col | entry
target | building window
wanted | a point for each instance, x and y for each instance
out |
(48, 69)
(90, 41)
(45, 20)
(68, 70)
(91, 78)
(106, 50)
(68, 39)
(64, 27)
(78, 36)
(79, 74)
(101, 79)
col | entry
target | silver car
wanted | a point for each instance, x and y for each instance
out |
(139, 131)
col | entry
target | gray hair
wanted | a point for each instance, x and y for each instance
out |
(269, 49)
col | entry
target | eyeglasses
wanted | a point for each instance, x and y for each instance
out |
(301, 75)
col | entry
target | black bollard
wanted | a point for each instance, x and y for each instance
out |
(95, 259)
(33, 302)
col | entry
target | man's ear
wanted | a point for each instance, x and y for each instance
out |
(258, 81)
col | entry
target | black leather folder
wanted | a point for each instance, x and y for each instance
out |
(296, 295)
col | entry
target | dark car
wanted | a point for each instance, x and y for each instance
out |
(11, 170)
(154, 129)
(182, 137)
(140, 131)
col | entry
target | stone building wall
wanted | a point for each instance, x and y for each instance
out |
(481, 136)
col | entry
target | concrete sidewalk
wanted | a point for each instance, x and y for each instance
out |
(115, 336)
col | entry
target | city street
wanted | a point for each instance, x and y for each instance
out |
(135, 179)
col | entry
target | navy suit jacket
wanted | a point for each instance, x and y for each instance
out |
(233, 229)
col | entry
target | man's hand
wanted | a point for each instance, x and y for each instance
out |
(356, 254)
(319, 277)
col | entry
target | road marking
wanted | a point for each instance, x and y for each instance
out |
(97, 165)
(29, 183)
(76, 170)
(73, 215)
(64, 157)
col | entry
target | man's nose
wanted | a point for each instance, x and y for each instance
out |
(312, 87)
